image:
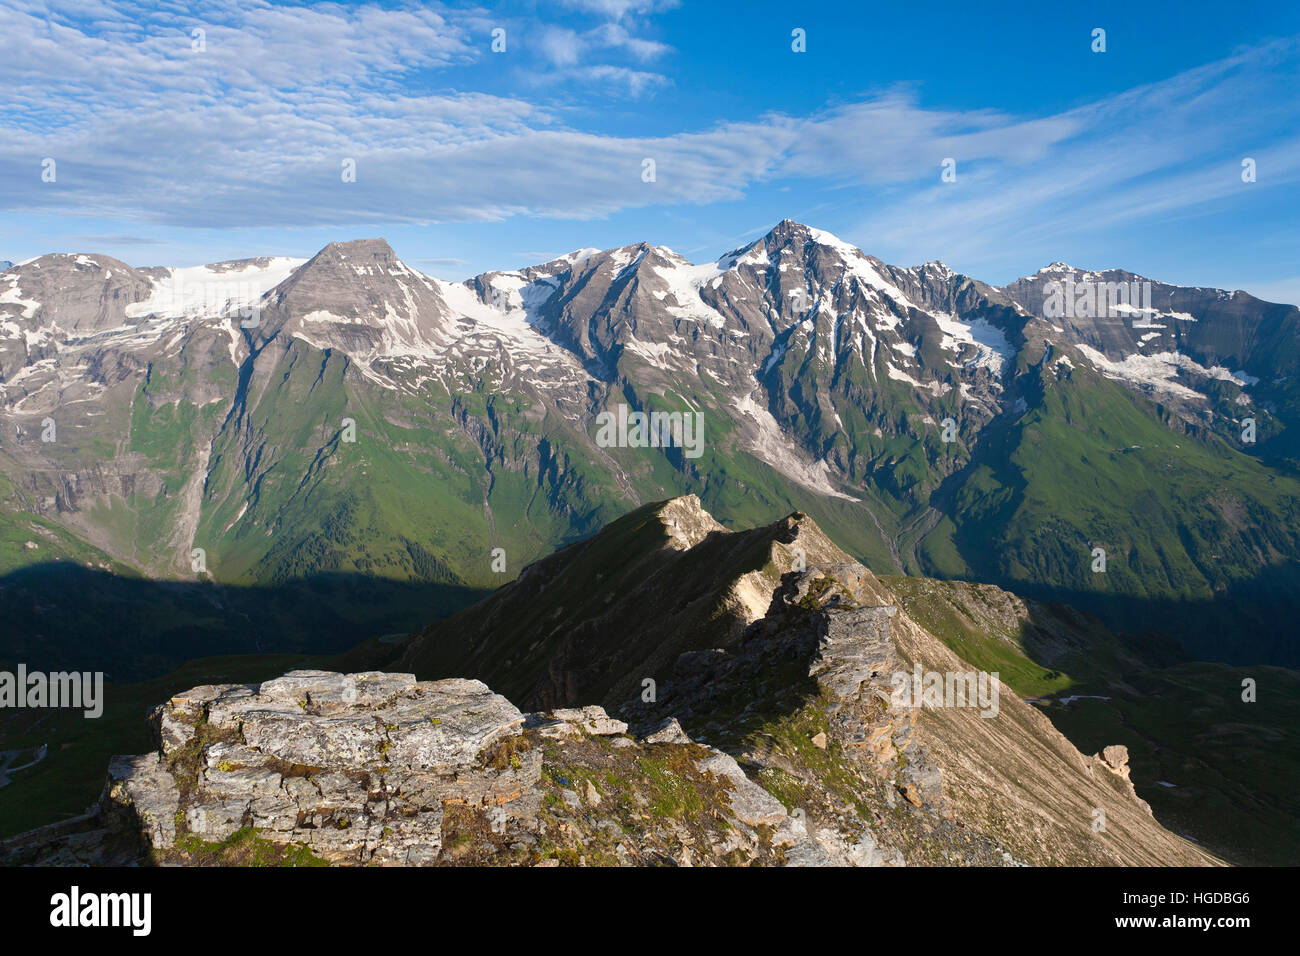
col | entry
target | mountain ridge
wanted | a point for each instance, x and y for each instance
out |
(786, 745)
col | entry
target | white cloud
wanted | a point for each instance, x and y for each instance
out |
(147, 54)
(615, 36)
(636, 82)
(562, 47)
(1157, 151)
(618, 9)
(574, 55)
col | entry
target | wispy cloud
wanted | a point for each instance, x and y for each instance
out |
(1160, 150)
(618, 9)
(115, 239)
(572, 53)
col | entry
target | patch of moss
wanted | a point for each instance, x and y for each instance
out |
(244, 847)
(669, 794)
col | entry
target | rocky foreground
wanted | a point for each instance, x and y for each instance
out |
(797, 756)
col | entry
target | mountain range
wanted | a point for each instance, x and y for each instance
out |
(307, 452)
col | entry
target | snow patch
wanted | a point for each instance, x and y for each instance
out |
(684, 283)
(859, 266)
(992, 350)
(770, 445)
(14, 296)
(1158, 370)
(212, 291)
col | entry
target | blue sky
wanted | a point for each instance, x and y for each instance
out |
(469, 159)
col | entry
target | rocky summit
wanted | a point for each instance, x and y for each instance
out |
(788, 744)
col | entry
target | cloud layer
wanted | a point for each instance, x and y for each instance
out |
(255, 126)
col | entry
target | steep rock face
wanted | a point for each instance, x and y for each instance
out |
(926, 780)
(1232, 331)
(73, 294)
(822, 659)
(358, 297)
(1210, 355)
(57, 296)
(811, 344)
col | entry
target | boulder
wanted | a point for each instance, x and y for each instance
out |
(750, 803)
(854, 647)
(667, 731)
(592, 720)
(1115, 757)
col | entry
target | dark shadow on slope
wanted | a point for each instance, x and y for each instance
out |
(1213, 767)
(1255, 621)
(1250, 620)
(63, 616)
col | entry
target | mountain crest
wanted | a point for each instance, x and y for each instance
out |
(687, 522)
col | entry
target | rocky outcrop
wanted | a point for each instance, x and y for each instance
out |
(820, 660)
(575, 721)
(1115, 760)
(143, 796)
(854, 664)
(667, 731)
(853, 649)
(358, 768)
(805, 703)
(379, 768)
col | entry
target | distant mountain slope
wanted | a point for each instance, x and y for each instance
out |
(349, 415)
(1215, 356)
